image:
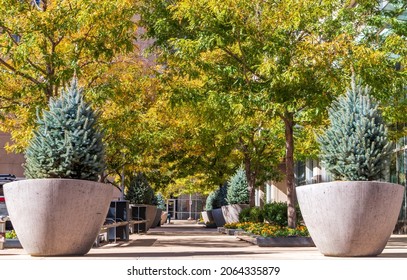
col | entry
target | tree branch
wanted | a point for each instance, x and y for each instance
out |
(239, 60)
(19, 73)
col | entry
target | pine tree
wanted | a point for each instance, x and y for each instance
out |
(238, 192)
(355, 146)
(67, 143)
(139, 190)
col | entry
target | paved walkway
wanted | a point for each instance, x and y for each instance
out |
(188, 240)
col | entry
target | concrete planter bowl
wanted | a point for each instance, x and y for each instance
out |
(150, 213)
(218, 217)
(55, 217)
(207, 216)
(231, 212)
(157, 219)
(350, 219)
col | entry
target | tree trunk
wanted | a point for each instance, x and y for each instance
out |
(251, 182)
(289, 163)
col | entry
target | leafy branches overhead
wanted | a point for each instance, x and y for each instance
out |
(42, 47)
(283, 61)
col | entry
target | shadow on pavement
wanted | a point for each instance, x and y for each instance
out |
(169, 254)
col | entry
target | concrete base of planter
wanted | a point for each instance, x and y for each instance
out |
(54, 217)
(349, 219)
(231, 212)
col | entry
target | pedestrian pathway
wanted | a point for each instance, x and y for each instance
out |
(189, 240)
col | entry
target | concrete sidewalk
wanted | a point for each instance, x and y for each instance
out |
(189, 240)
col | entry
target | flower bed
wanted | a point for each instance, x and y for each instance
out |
(268, 235)
(268, 230)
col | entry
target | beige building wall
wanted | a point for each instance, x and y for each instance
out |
(10, 163)
(278, 191)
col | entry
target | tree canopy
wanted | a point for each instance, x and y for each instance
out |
(277, 60)
(43, 43)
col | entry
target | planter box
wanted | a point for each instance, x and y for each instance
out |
(221, 230)
(233, 231)
(350, 218)
(54, 217)
(231, 212)
(12, 243)
(289, 241)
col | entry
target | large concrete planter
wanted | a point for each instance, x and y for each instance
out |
(231, 212)
(150, 213)
(207, 216)
(164, 216)
(54, 217)
(218, 217)
(157, 219)
(350, 219)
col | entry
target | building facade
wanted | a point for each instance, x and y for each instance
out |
(10, 163)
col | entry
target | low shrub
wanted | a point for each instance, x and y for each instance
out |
(11, 234)
(276, 213)
(253, 214)
(269, 230)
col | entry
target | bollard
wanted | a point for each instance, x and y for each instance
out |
(2, 234)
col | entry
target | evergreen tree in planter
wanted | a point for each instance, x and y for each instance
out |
(53, 203)
(355, 146)
(139, 190)
(214, 202)
(67, 143)
(356, 215)
(237, 192)
(159, 201)
(237, 196)
(217, 198)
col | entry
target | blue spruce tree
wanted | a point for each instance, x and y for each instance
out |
(355, 146)
(67, 143)
(238, 192)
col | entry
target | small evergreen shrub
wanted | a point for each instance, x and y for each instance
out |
(355, 146)
(139, 190)
(238, 192)
(217, 198)
(253, 214)
(67, 143)
(210, 201)
(159, 201)
(276, 213)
